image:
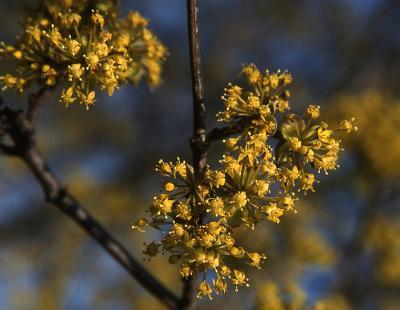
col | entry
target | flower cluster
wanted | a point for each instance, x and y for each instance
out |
(255, 181)
(85, 44)
(290, 296)
(271, 296)
(382, 240)
(380, 108)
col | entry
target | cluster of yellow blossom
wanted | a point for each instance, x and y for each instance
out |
(199, 247)
(374, 107)
(382, 237)
(86, 45)
(255, 182)
(311, 247)
(271, 296)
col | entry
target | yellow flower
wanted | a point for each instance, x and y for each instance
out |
(67, 96)
(324, 135)
(240, 199)
(286, 78)
(44, 22)
(295, 144)
(9, 81)
(313, 111)
(34, 66)
(282, 106)
(178, 230)
(220, 285)
(214, 228)
(212, 260)
(55, 37)
(269, 168)
(35, 33)
(46, 68)
(255, 259)
(253, 101)
(137, 20)
(92, 60)
(105, 36)
(102, 50)
(164, 168)
(217, 207)
(327, 162)
(204, 290)
(97, 19)
(207, 240)
(140, 224)
(75, 71)
(109, 83)
(234, 90)
(20, 84)
(262, 187)
(309, 156)
(73, 46)
(169, 187)
(183, 212)
(229, 241)
(288, 202)
(307, 182)
(231, 165)
(162, 204)
(252, 73)
(180, 168)
(249, 187)
(218, 179)
(186, 271)
(273, 212)
(234, 251)
(123, 41)
(239, 278)
(294, 173)
(71, 19)
(17, 54)
(51, 81)
(348, 126)
(67, 3)
(154, 69)
(87, 99)
(231, 142)
(200, 257)
(274, 81)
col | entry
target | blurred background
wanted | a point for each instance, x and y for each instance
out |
(342, 249)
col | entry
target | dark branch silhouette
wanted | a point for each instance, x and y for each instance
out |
(20, 128)
(221, 133)
(199, 143)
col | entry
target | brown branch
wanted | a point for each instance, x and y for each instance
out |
(188, 294)
(8, 150)
(34, 101)
(20, 130)
(199, 144)
(221, 133)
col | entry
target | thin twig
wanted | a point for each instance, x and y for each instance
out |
(221, 133)
(20, 130)
(34, 101)
(199, 144)
(8, 150)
